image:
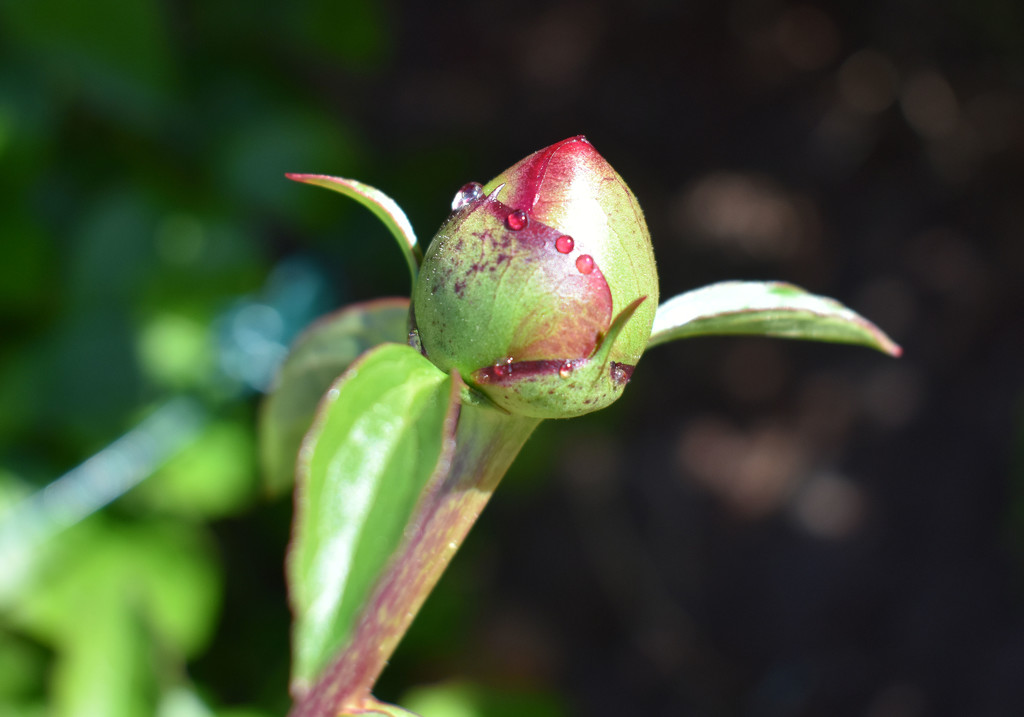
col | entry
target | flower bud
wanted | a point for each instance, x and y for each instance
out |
(540, 288)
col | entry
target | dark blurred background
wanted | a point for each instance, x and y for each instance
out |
(758, 528)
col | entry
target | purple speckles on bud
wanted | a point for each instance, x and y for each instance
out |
(469, 193)
(584, 263)
(538, 283)
(517, 220)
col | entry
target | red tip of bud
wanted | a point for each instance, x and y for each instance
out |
(551, 168)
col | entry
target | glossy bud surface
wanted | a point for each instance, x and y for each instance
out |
(522, 285)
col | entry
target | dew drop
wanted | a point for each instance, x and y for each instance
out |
(564, 244)
(585, 263)
(501, 370)
(517, 220)
(565, 370)
(468, 193)
(415, 342)
(621, 372)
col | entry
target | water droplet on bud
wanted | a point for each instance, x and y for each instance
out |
(585, 263)
(468, 193)
(565, 371)
(414, 341)
(517, 220)
(621, 372)
(501, 370)
(564, 244)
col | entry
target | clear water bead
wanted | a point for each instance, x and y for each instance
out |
(470, 192)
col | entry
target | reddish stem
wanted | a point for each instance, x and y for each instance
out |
(487, 442)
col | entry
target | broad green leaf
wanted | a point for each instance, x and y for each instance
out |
(384, 208)
(766, 308)
(319, 356)
(381, 432)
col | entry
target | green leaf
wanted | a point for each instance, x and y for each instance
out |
(319, 356)
(382, 431)
(767, 308)
(384, 208)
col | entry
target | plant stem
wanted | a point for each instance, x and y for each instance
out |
(487, 441)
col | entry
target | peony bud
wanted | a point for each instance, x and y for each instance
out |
(540, 288)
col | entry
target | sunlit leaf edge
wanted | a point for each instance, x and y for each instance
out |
(384, 208)
(764, 308)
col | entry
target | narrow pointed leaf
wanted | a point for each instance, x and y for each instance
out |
(321, 354)
(380, 434)
(764, 309)
(384, 207)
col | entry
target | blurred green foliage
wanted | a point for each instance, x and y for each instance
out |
(143, 146)
(143, 209)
